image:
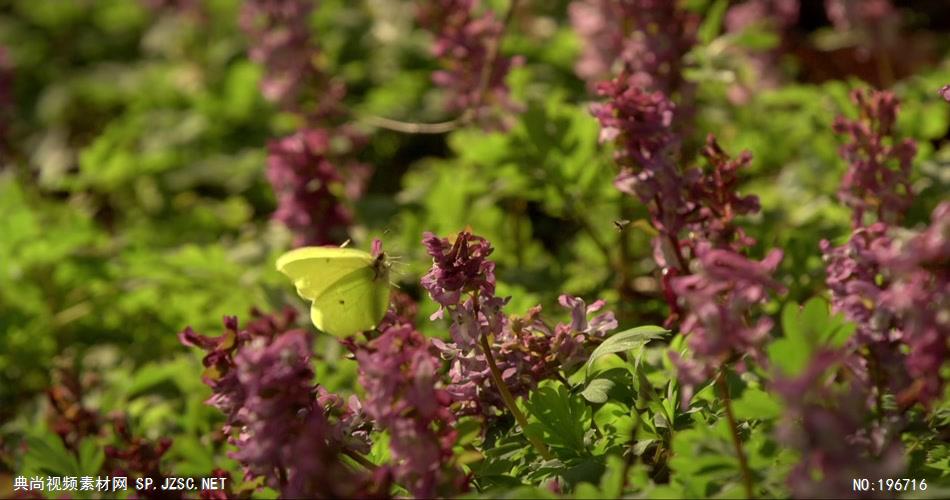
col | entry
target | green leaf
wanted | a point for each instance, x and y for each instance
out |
(596, 390)
(151, 375)
(612, 482)
(756, 404)
(635, 338)
(807, 329)
(616, 422)
(756, 38)
(790, 355)
(91, 457)
(559, 419)
(193, 458)
(713, 22)
(587, 490)
(46, 455)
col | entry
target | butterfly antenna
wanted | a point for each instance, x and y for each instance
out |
(345, 243)
(395, 271)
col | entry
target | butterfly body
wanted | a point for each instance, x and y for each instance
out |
(349, 288)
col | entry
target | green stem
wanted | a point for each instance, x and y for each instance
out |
(510, 400)
(631, 459)
(723, 386)
(360, 459)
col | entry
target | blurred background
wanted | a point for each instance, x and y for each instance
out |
(142, 143)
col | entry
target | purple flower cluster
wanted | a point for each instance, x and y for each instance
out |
(462, 282)
(473, 71)
(878, 176)
(918, 297)
(945, 92)
(400, 374)
(458, 268)
(646, 38)
(640, 124)
(525, 349)
(705, 202)
(67, 414)
(827, 424)
(640, 121)
(718, 300)
(694, 212)
(894, 289)
(852, 270)
(715, 201)
(597, 23)
(308, 186)
(779, 16)
(851, 14)
(137, 457)
(280, 36)
(286, 430)
(310, 180)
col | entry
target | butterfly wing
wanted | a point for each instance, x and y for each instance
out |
(349, 288)
(316, 269)
(353, 304)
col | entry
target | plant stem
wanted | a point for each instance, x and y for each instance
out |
(672, 238)
(631, 459)
(510, 400)
(411, 127)
(723, 386)
(360, 459)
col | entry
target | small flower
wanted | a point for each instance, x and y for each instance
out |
(715, 195)
(852, 271)
(574, 342)
(458, 267)
(944, 92)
